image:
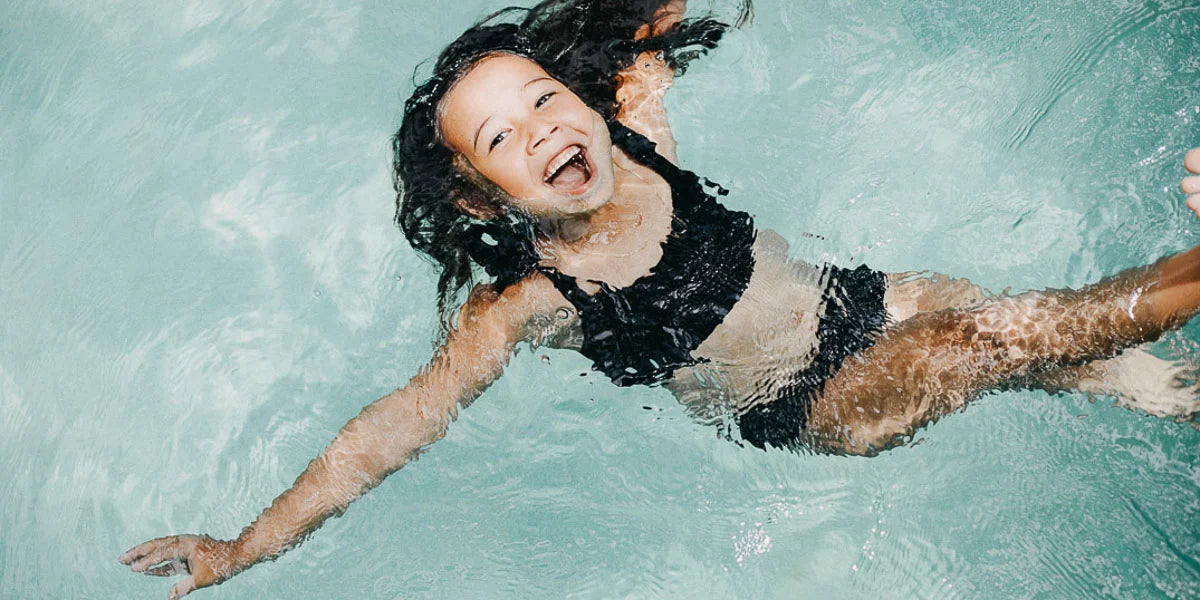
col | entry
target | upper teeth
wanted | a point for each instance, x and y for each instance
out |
(561, 161)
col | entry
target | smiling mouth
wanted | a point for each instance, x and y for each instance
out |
(569, 171)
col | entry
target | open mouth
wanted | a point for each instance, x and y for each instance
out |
(569, 171)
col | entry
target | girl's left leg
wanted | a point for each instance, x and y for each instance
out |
(1135, 378)
(933, 363)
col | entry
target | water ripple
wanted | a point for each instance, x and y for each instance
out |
(1080, 59)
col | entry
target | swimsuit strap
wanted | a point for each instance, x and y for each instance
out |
(567, 286)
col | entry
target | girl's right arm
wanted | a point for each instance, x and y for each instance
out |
(1191, 184)
(385, 436)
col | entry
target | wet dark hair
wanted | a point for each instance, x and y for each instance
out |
(583, 44)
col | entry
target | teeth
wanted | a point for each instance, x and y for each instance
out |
(561, 161)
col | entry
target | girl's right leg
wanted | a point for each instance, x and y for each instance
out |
(933, 363)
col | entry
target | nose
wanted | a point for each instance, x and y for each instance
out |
(542, 134)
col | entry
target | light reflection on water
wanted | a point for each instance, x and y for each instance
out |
(201, 283)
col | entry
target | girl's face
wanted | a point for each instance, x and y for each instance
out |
(526, 132)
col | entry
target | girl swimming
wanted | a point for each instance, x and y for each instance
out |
(538, 154)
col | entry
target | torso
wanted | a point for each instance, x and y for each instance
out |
(768, 334)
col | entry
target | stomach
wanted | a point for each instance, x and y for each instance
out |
(768, 335)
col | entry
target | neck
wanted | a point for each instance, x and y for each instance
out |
(576, 227)
(569, 229)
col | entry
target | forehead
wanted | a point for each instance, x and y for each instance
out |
(487, 87)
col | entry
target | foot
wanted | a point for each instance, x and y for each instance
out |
(1191, 184)
(1139, 380)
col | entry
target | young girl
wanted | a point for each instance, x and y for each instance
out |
(539, 153)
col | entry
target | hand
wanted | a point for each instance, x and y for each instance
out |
(1191, 185)
(206, 561)
(665, 18)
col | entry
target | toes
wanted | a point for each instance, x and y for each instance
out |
(1191, 160)
(1191, 184)
(1193, 202)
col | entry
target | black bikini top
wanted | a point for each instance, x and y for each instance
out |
(639, 334)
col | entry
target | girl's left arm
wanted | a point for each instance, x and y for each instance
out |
(641, 86)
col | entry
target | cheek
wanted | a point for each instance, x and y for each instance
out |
(580, 114)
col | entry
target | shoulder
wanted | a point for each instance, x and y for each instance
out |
(525, 310)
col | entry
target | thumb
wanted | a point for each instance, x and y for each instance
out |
(182, 588)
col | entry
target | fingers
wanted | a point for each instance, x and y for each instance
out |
(1191, 184)
(141, 550)
(182, 588)
(166, 552)
(137, 551)
(1191, 160)
(170, 569)
(141, 557)
(173, 555)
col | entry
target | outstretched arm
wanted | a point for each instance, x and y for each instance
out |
(385, 436)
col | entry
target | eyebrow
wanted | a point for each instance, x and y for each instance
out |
(534, 80)
(475, 141)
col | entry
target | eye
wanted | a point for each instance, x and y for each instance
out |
(544, 98)
(499, 138)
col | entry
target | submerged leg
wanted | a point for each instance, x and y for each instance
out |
(1135, 378)
(931, 364)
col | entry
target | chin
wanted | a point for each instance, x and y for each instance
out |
(601, 193)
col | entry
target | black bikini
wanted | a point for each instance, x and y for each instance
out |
(642, 333)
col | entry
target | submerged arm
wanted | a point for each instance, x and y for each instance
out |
(384, 437)
(642, 85)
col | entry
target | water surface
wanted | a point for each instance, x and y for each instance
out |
(200, 282)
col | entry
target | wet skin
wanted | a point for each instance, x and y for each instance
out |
(500, 121)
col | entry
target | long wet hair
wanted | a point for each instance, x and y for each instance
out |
(583, 44)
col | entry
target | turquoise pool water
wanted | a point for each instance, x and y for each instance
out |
(200, 282)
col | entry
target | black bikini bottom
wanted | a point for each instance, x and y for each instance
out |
(854, 316)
